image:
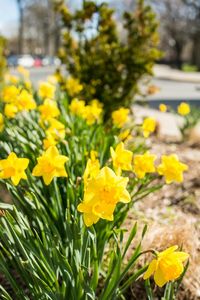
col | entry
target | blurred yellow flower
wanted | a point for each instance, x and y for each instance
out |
(143, 164)
(101, 195)
(28, 84)
(167, 266)
(172, 168)
(77, 107)
(14, 168)
(184, 109)
(163, 107)
(49, 141)
(10, 110)
(24, 72)
(148, 126)
(73, 86)
(122, 158)
(1, 122)
(56, 129)
(92, 168)
(46, 90)
(10, 94)
(48, 109)
(124, 135)
(97, 103)
(11, 78)
(25, 101)
(120, 117)
(92, 113)
(51, 164)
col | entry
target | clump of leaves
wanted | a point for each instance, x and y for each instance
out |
(108, 63)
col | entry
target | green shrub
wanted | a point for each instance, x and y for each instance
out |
(107, 63)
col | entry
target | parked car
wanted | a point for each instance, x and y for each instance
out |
(12, 61)
(51, 61)
(38, 62)
(27, 61)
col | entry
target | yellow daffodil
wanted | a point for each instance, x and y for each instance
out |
(73, 86)
(120, 117)
(77, 107)
(46, 90)
(10, 94)
(1, 122)
(56, 129)
(49, 109)
(163, 107)
(101, 195)
(28, 84)
(143, 164)
(10, 110)
(97, 103)
(148, 126)
(172, 168)
(184, 109)
(25, 101)
(167, 266)
(49, 141)
(92, 168)
(122, 158)
(92, 113)
(51, 164)
(124, 135)
(11, 78)
(14, 168)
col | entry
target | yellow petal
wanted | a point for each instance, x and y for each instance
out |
(159, 277)
(151, 269)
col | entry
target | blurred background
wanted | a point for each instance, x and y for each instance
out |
(33, 30)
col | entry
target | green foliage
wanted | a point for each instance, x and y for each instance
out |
(189, 68)
(46, 251)
(109, 64)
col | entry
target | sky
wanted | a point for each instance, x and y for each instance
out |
(8, 17)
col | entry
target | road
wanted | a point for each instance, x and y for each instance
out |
(170, 90)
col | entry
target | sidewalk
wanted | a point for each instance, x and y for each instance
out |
(167, 73)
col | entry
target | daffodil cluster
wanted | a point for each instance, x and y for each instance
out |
(68, 171)
(16, 100)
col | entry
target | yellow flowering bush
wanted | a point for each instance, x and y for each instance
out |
(73, 180)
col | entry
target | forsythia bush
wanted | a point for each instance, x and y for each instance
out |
(106, 66)
(73, 180)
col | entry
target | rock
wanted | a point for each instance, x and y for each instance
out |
(194, 136)
(169, 124)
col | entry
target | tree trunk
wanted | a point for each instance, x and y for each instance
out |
(196, 51)
(21, 27)
(178, 49)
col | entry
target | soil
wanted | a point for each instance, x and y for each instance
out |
(173, 218)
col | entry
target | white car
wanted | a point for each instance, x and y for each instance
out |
(26, 61)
